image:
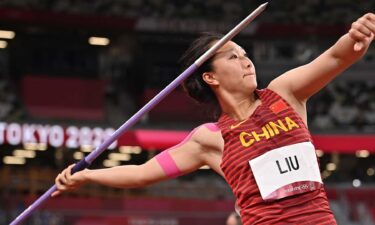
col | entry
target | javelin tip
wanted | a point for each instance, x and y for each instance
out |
(264, 5)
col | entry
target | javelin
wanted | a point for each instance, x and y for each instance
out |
(84, 163)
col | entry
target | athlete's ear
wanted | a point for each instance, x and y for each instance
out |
(209, 78)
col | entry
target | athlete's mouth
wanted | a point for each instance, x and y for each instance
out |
(248, 74)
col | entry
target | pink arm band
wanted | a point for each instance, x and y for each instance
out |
(168, 164)
(166, 161)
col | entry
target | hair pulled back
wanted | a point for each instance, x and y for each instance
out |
(194, 85)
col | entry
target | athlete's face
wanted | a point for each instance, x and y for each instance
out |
(233, 70)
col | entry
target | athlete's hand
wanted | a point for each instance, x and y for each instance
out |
(65, 181)
(363, 31)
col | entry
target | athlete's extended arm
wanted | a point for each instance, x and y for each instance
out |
(304, 81)
(186, 157)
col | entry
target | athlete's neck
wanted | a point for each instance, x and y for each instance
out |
(238, 107)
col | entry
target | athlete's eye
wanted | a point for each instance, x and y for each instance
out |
(234, 56)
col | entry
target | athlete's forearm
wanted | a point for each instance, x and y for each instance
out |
(129, 176)
(343, 50)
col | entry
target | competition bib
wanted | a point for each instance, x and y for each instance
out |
(287, 171)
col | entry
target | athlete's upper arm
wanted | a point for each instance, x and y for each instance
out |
(304, 81)
(203, 148)
(181, 159)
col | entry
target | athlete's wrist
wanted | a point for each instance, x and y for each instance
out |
(86, 175)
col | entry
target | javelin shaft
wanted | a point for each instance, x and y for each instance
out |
(84, 163)
(231, 34)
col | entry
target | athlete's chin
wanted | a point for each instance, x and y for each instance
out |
(252, 85)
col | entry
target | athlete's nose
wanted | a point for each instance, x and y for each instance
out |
(247, 62)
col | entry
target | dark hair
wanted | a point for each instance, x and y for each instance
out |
(194, 85)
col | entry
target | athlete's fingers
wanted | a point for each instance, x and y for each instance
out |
(59, 182)
(68, 175)
(356, 35)
(55, 193)
(363, 26)
(361, 44)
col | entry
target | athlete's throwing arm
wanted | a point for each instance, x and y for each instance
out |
(201, 147)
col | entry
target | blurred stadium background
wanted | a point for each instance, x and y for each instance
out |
(72, 71)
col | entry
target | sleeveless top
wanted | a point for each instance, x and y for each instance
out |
(273, 126)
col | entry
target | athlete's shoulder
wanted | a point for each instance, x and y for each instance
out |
(207, 129)
(208, 134)
(213, 127)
